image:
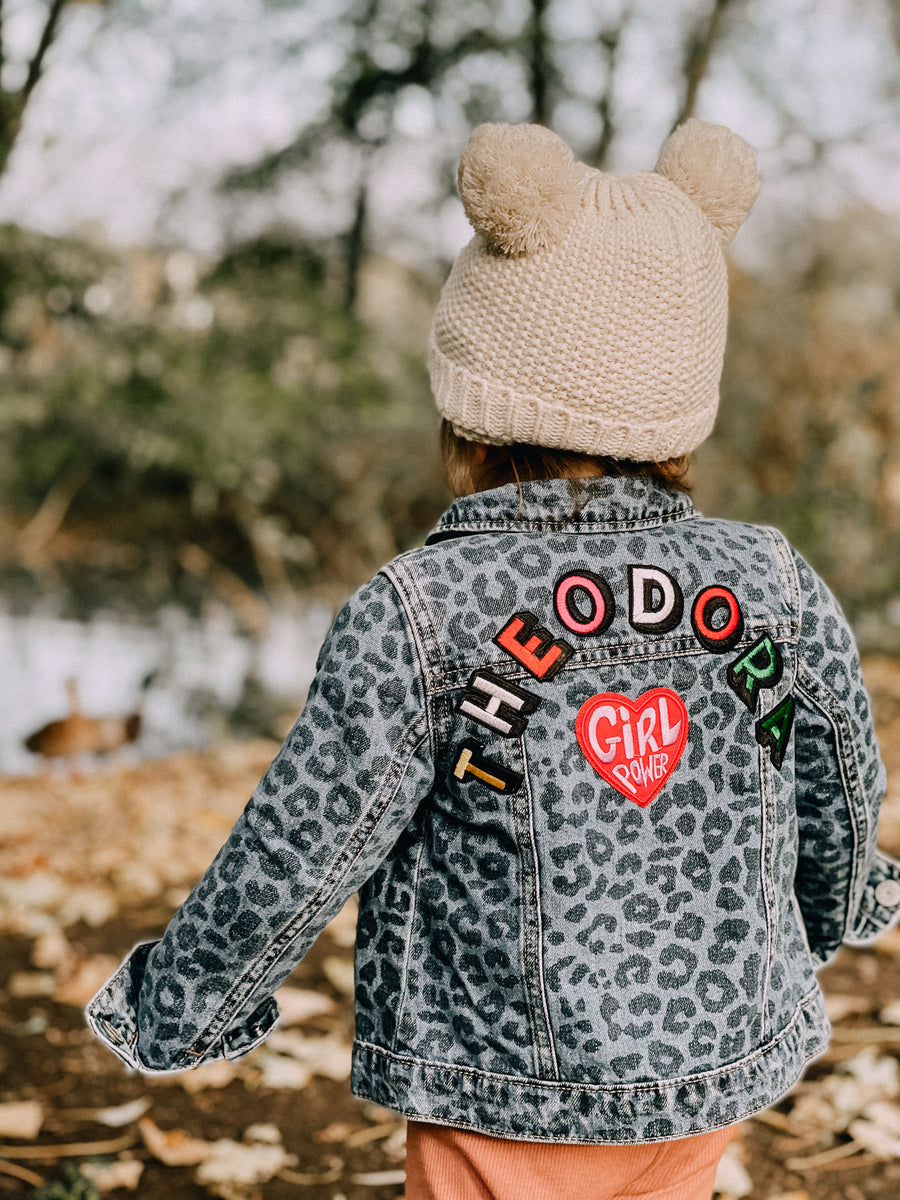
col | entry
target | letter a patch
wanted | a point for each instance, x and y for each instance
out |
(774, 730)
(634, 745)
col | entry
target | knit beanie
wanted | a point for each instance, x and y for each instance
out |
(589, 311)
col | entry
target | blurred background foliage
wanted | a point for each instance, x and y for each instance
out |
(155, 402)
(244, 395)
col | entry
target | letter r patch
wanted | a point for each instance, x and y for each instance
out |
(757, 668)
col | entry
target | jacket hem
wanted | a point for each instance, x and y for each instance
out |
(539, 1110)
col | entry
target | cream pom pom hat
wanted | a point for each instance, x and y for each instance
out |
(589, 310)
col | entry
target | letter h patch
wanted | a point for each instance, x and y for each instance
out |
(498, 703)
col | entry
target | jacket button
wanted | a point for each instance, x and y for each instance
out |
(888, 893)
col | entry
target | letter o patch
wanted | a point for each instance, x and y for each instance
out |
(710, 604)
(584, 603)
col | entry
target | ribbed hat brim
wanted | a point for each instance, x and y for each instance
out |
(484, 410)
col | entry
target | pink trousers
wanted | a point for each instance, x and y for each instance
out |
(451, 1164)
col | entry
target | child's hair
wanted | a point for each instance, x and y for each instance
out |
(477, 467)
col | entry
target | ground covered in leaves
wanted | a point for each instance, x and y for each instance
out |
(92, 865)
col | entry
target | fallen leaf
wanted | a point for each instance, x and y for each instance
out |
(281, 1072)
(874, 1138)
(232, 1163)
(731, 1177)
(35, 1024)
(108, 1177)
(885, 1115)
(812, 1112)
(123, 1114)
(85, 978)
(299, 1004)
(21, 1119)
(174, 1147)
(23, 984)
(93, 905)
(327, 1056)
(50, 949)
(835, 1100)
(138, 878)
(208, 1075)
(878, 1074)
(395, 1146)
(266, 1134)
(838, 1006)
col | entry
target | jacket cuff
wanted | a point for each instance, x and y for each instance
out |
(112, 1017)
(879, 909)
(112, 1014)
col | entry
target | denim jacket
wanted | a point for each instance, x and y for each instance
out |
(603, 772)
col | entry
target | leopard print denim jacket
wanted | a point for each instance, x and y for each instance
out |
(604, 775)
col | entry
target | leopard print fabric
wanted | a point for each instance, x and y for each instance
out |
(548, 946)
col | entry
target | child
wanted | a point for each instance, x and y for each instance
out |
(603, 771)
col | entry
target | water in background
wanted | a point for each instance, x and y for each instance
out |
(207, 675)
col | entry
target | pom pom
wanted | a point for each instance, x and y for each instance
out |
(520, 186)
(716, 168)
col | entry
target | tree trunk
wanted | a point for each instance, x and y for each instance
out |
(355, 245)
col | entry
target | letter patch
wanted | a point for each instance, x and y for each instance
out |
(712, 632)
(656, 600)
(634, 745)
(498, 703)
(774, 730)
(757, 668)
(596, 593)
(533, 646)
(471, 764)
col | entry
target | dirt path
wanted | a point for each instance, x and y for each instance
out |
(93, 865)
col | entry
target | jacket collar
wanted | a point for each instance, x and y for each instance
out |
(602, 505)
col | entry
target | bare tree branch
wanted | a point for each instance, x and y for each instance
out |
(699, 50)
(35, 67)
(12, 105)
(2, 42)
(356, 243)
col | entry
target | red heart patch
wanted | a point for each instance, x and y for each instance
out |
(634, 744)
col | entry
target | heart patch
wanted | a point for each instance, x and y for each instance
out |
(634, 745)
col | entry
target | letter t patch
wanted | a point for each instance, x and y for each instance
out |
(471, 764)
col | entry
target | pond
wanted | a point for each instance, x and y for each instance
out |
(208, 680)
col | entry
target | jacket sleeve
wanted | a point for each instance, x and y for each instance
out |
(334, 801)
(848, 891)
